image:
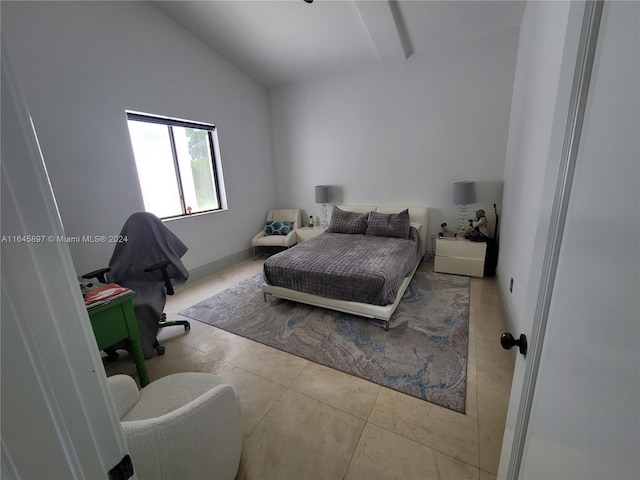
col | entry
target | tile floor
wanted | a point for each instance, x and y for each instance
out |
(304, 421)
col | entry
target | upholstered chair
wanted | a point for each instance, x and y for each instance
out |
(275, 233)
(185, 425)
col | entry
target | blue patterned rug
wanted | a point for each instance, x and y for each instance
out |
(424, 353)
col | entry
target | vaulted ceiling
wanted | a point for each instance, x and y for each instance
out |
(281, 41)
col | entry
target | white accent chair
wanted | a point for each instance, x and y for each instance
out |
(291, 215)
(185, 425)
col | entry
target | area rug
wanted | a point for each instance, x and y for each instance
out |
(424, 353)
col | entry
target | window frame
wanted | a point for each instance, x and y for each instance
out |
(214, 150)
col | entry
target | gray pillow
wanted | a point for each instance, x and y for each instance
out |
(389, 224)
(347, 222)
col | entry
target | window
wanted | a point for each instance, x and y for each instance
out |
(178, 165)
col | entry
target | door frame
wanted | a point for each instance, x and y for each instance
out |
(55, 397)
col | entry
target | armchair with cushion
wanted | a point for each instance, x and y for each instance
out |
(185, 425)
(279, 229)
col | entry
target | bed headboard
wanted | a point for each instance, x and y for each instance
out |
(416, 214)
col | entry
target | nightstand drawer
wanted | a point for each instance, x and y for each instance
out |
(460, 256)
(305, 233)
(461, 249)
(459, 266)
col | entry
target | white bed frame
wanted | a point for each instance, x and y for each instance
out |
(375, 312)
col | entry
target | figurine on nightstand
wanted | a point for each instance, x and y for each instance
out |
(477, 229)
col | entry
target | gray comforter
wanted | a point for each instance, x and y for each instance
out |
(359, 268)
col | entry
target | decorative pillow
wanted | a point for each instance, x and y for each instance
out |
(278, 228)
(389, 224)
(347, 222)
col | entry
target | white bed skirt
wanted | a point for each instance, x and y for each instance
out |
(377, 312)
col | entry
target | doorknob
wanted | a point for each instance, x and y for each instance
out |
(507, 341)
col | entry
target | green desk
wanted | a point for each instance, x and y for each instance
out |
(116, 321)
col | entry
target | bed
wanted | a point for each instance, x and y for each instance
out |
(354, 267)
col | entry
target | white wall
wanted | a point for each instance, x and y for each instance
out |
(81, 64)
(533, 148)
(399, 134)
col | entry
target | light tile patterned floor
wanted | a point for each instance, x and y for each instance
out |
(305, 421)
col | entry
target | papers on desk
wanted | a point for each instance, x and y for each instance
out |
(99, 293)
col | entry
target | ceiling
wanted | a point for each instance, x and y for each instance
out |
(282, 41)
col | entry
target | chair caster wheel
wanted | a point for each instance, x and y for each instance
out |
(160, 350)
(112, 357)
(112, 354)
(187, 327)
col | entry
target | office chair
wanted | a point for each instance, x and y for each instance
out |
(147, 261)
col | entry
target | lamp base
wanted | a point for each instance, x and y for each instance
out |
(463, 219)
(323, 215)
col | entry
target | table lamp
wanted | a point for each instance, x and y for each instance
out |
(464, 193)
(322, 196)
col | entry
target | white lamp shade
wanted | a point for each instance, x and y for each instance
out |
(464, 193)
(322, 193)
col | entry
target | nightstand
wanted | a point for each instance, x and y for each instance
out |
(460, 256)
(305, 233)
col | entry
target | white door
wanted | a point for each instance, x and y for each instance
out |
(575, 403)
(58, 420)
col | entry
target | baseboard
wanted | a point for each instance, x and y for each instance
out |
(221, 264)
